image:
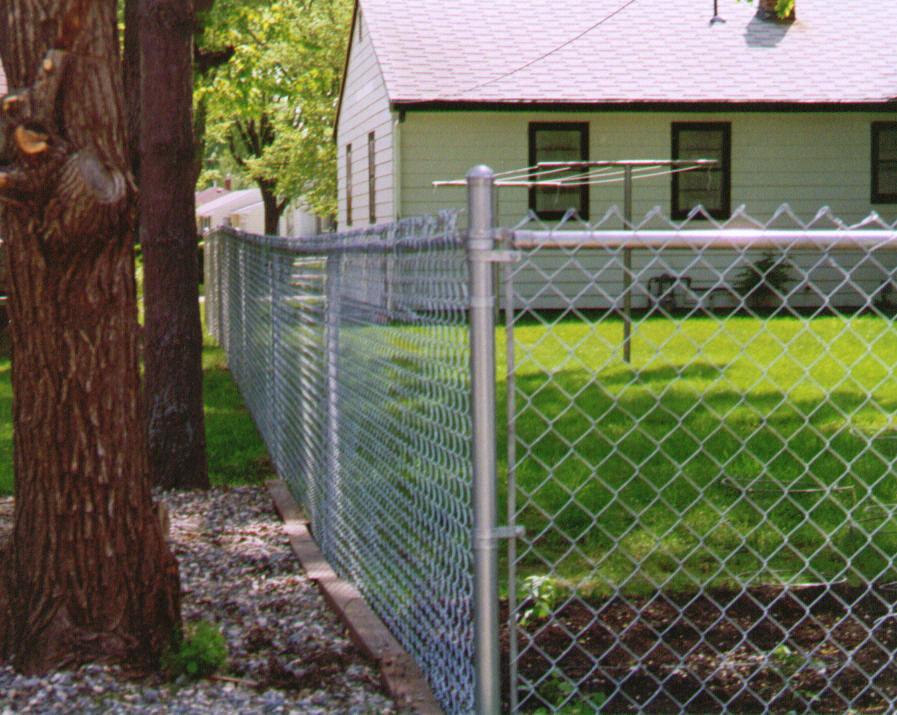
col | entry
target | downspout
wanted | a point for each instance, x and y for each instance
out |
(397, 163)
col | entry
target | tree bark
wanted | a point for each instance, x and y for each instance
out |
(88, 575)
(273, 208)
(172, 328)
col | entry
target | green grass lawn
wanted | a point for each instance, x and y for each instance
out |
(726, 453)
(236, 453)
(742, 451)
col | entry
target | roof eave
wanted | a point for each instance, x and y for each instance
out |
(715, 105)
(343, 76)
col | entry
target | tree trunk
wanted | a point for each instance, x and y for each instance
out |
(172, 329)
(88, 575)
(273, 209)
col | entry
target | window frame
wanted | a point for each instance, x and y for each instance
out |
(349, 184)
(725, 211)
(877, 197)
(583, 129)
(372, 178)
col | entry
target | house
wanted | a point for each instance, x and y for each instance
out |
(802, 111)
(217, 212)
(244, 209)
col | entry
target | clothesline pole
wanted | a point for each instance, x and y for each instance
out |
(627, 268)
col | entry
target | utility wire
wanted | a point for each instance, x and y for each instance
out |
(552, 51)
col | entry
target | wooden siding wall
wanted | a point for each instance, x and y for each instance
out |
(807, 160)
(365, 109)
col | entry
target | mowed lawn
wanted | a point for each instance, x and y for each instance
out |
(732, 450)
(236, 453)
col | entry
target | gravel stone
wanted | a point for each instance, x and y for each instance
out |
(288, 654)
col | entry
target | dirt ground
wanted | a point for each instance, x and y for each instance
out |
(813, 649)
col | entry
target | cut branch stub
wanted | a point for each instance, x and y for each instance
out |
(31, 141)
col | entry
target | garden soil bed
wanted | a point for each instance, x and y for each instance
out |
(769, 649)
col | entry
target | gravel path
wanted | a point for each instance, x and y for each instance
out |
(238, 571)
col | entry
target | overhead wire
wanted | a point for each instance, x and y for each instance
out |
(554, 50)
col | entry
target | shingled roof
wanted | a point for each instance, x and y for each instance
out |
(599, 52)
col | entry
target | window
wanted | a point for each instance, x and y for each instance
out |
(710, 188)
(348, 184)
(372, 181)
(884, 162)
(566, 141)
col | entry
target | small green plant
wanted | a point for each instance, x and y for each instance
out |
(200, 652)
(541, 594)
(787, 661)
(764, 282)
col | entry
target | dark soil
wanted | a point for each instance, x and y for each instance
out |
(812, 649)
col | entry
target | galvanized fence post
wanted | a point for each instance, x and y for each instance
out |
(480, 247)
(332, 330)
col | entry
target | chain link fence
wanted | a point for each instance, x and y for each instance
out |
(694, 424)
(710, 524)
(352, 353)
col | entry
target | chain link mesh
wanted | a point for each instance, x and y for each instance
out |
(710, 527)
(352, 353)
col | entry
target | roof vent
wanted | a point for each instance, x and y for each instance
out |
(767, 10)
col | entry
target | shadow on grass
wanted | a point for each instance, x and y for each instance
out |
(678, 477)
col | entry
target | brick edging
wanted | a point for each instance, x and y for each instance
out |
(401, 676)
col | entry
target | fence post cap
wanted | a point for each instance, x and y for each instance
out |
(480, 172)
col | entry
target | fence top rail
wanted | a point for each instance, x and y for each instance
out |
(429, 232)
(729, 238)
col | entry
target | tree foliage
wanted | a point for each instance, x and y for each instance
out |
(784, 8)
(271, 107)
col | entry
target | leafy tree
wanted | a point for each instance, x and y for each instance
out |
(272, 106)
(88, 574)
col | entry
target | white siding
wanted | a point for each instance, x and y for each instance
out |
(807, 160)
(365, 109)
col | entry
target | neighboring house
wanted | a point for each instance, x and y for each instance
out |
(218, 211)
(244, 209)
(802, 112)
(293, 222)
(210, 194)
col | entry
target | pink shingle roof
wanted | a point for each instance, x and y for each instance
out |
(838, 51)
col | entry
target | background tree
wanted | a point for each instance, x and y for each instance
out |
(88, 574)
(165, 159)
(272, 106)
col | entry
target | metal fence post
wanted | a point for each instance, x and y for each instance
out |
(331, 506)
(481, 241)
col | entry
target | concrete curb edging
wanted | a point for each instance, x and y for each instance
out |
(401, 676)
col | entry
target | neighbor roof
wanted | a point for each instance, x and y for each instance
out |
(233, 201)
(641, 51)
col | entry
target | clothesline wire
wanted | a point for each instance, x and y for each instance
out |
(592, 173)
